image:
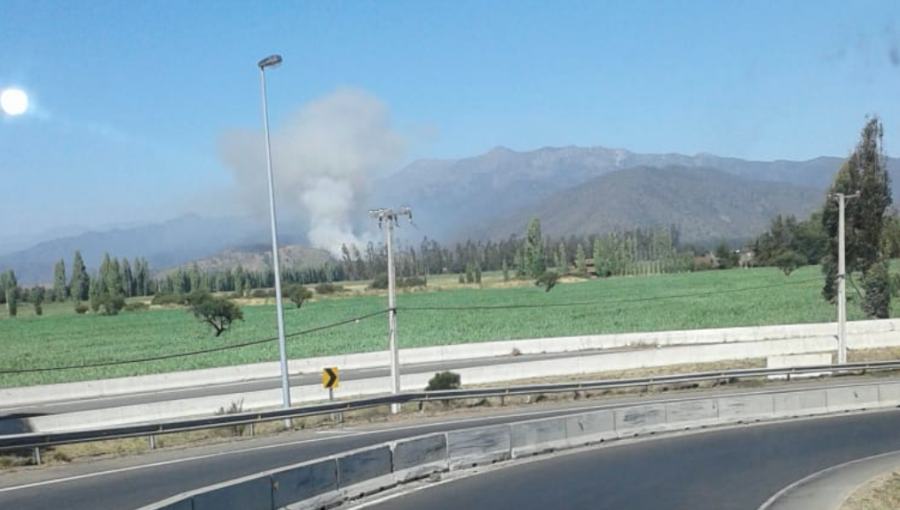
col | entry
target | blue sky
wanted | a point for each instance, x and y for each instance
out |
(130, 100)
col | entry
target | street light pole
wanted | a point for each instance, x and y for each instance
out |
(274, 61)
(390, 216)
(842, 278)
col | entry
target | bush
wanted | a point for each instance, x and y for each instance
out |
(788, 261)
(379, 282)
(262, 293)
(136, 307)
(547, 280)
(172, 298)
(298, 294)
(412, 281)
(81, 308)
(110, 305)
(328, 288)
(444, 381)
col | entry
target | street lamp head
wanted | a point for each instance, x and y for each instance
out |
(270, 61)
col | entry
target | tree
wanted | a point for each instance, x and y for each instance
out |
(10, 289)
(548, 280)
(37, 299)
(79, 285)
(877, 298)
(788, 261)
(505, 269)
(216, 312)
(533, 256)
(865, 171)
(60, 289)
(128, 282)
(470, 272)
(299, 294)
(581, 260)
(728, 259)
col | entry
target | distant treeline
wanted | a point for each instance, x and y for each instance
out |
(639, 251)
(627, 252)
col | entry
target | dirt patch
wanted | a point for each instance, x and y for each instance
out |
(882, 493)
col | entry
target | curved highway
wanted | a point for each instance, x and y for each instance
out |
(732, 469)
(723, 469)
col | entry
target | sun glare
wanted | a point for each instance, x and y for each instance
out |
(14, 101)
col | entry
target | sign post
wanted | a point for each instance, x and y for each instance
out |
(330, 381)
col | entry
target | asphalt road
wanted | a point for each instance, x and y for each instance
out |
(734, 469)
(725, 469)
(69, 406)
(136, 481)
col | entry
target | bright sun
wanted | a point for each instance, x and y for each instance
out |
(14, 101)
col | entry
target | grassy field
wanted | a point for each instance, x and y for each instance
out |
(742, 297)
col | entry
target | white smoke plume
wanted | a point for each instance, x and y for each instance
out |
(323, 157)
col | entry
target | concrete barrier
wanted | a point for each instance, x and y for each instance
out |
(800, 403)
(852, 398)
(469, 448)
(250, 494)
(746, 408)
(889, 394)
(420, 457)
(538, 436)
(315, 483)
(637, 420)
(691, 414)
(590, 428)
(365, 471)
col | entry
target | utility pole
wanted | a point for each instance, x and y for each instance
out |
(390, 218)
(842, 278)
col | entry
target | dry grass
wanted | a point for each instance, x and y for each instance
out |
(880, 354)
(882, 493)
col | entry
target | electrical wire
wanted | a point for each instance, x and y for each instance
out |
(193, 353)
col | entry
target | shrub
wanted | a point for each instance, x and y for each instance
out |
(444, 381)
(81, 308)
(172, 298)
(138, 306)
(111, 305)
(547, 280)
(412, 281)
(298, 294)
(328, 288)
(379, 282)
(262, 293)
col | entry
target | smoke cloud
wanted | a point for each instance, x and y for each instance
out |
(323, 157)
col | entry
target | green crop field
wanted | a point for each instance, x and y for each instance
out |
(740, 297)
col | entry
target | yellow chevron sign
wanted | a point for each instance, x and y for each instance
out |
(330, 377)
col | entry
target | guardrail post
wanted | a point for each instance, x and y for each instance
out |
(151, 441)
(37, 455)
(252, 429)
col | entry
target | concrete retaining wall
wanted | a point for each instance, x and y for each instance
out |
(587, 364)
(860, 335)
(326, 482)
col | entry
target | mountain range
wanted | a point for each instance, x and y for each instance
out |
(573, 190)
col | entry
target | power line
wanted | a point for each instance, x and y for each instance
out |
(193, 353)
(603, 302)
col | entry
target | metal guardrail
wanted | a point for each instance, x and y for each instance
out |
(38, 440)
